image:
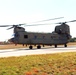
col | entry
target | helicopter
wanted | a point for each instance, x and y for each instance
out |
(60, 35)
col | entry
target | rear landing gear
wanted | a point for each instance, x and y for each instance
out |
(65, 45)
(55, 46)
(30, 47)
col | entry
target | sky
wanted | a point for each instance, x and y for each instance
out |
(30, 11)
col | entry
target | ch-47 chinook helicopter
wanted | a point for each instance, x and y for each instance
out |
(60, 36)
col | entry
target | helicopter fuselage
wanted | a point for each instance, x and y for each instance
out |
(60, 36)
(40, 38)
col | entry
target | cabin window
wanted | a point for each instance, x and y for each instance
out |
(35, 37)
(53, 37)
(25, 36)
(43, 37)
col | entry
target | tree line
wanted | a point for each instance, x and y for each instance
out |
(73, 39)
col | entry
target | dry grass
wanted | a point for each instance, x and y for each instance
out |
(72, 43)
(47, 64)
(12, 46)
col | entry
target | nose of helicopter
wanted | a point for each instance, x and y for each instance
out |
(12, 40)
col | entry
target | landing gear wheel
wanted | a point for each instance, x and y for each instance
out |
(30, 47)
(38, 47)
(65, 45)
(55, 46)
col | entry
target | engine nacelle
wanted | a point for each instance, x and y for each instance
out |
(19, 29)
(62, 29)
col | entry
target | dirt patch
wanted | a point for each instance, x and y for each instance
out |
(12, 46)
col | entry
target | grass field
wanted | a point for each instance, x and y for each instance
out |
(47, 64)
(50, 64)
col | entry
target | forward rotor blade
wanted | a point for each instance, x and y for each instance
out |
(21, 24)
(4, 25)
(12, 25)
(10, 28)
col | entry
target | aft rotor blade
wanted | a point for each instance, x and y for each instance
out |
(49, 19)
(39, 24)
(65, 22)
(70, 21)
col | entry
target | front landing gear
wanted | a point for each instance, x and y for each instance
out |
(38, 47)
